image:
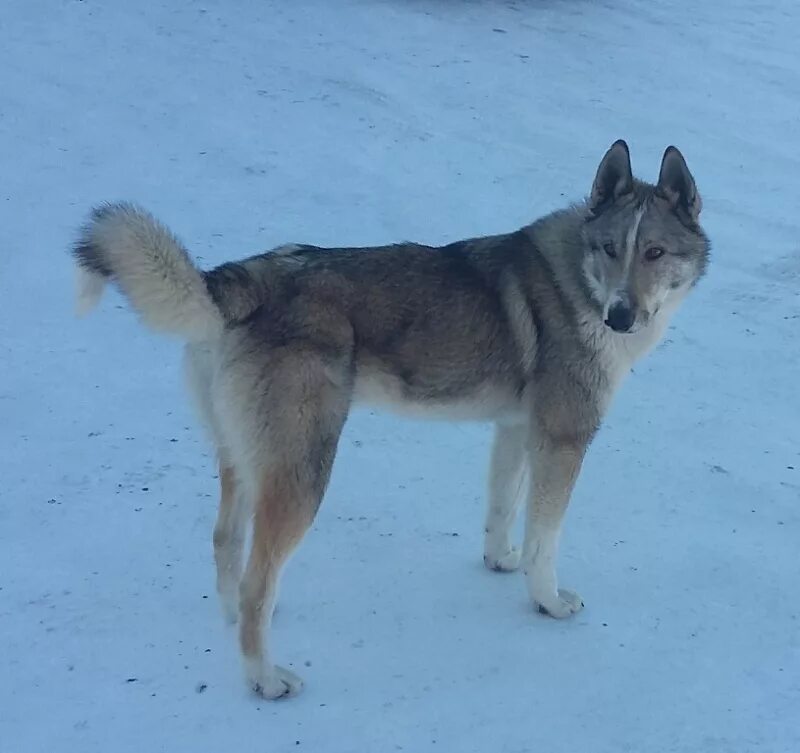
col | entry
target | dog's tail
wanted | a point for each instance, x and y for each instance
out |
(127, 246)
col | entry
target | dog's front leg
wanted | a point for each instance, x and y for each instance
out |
(555, 466)
(507, 472)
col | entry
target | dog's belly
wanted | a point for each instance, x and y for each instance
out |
(487, 402)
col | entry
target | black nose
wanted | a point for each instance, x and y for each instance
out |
(620, 317)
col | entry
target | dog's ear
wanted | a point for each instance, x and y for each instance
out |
(614, 178)
(676, 184)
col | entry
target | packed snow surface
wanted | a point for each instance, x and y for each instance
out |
(252, 123)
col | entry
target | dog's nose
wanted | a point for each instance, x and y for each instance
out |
(620, 317)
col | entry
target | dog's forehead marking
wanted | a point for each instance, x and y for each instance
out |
(630, 238)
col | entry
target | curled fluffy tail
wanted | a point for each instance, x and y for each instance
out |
(127, 246)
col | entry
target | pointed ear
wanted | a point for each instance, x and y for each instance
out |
(614, 177)
(676, 184)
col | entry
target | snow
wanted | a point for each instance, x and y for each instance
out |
(244, 125)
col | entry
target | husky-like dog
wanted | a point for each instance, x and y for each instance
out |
(533, 330)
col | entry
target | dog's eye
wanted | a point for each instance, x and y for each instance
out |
(610, 250)
(653, 253)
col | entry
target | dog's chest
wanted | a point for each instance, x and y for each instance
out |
(619, 352)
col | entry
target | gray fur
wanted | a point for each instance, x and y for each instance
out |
(509, 328)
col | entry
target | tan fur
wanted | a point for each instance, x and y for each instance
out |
(283, 512)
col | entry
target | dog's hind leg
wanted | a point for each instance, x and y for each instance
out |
(229, 534)
(229, 530)
(301, 404)
(283, 512)
(507, 478)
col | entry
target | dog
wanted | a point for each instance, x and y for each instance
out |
(533, 330)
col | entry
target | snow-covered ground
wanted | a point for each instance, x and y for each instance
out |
(248, 123)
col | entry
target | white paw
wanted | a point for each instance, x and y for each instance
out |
(273, 682)
(560, 605)
(504, 562)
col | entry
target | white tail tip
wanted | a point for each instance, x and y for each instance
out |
(90, 290)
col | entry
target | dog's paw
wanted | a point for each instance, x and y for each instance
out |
(505, 562)
(563, 604)
(274, 682)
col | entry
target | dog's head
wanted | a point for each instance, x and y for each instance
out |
(644, 247)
